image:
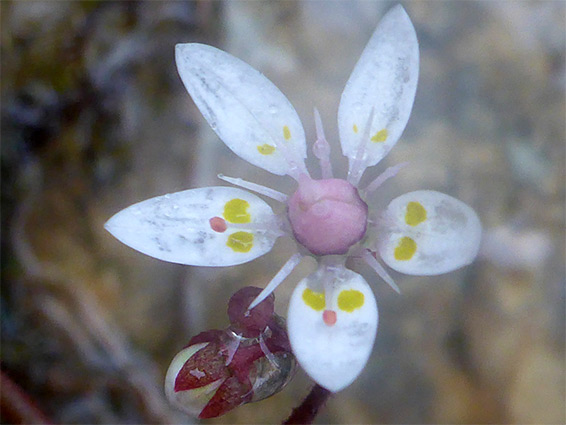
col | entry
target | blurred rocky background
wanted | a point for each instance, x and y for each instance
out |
(95, 118)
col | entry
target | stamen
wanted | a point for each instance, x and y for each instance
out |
(262, 190)
(329, 317)
(321, 148)
(358, 164)
(232, 347)
(277, 279)
(271, 227)
(383, 177)
(268, 354)
(218, 224)
(333, 263)
(374, 264)
(331, 266)
(296, 171)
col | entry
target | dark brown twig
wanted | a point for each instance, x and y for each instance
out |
(307, 411)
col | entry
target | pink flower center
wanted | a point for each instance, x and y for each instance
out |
(327, 216)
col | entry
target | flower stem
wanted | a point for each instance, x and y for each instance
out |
(17, 406)
(307, 411)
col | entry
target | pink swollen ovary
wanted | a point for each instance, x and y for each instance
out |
(327, 216)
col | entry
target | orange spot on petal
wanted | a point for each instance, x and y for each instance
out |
(218, 224)
(329, 317)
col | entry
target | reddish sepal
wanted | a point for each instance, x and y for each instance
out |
(252, 322)
(205, 361)
(231, 394)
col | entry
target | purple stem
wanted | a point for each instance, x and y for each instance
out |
(17, 406)
(307, 411)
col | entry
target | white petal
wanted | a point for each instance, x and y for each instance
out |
(332, 355)
(428, 233)
(177, 227)
(245, 109)
(385, 80)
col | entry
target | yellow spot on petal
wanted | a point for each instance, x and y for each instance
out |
(350, 299)
(266, 149)
(241, 241)
(380, 136)
(415, 214)
(406, 249)
(314, 300)
(236, 211)
(286, 132)
(355, 128)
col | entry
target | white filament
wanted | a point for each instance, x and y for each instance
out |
(277, 279)
(262, 190)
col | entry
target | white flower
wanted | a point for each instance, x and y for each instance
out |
(332, 318)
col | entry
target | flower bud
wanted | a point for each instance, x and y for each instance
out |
(223, 369)
(250, 322)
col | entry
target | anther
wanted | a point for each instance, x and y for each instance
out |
(329, 317)
(218, 224)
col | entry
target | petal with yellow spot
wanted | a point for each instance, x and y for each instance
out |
(350, 299)
(314, 300)
(380, 136)
(266, 149)
(236, 211)
(406, 249)
(240, 241)
(415, 214)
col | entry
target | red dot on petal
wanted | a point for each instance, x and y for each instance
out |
(329, 317)
(218, 224)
